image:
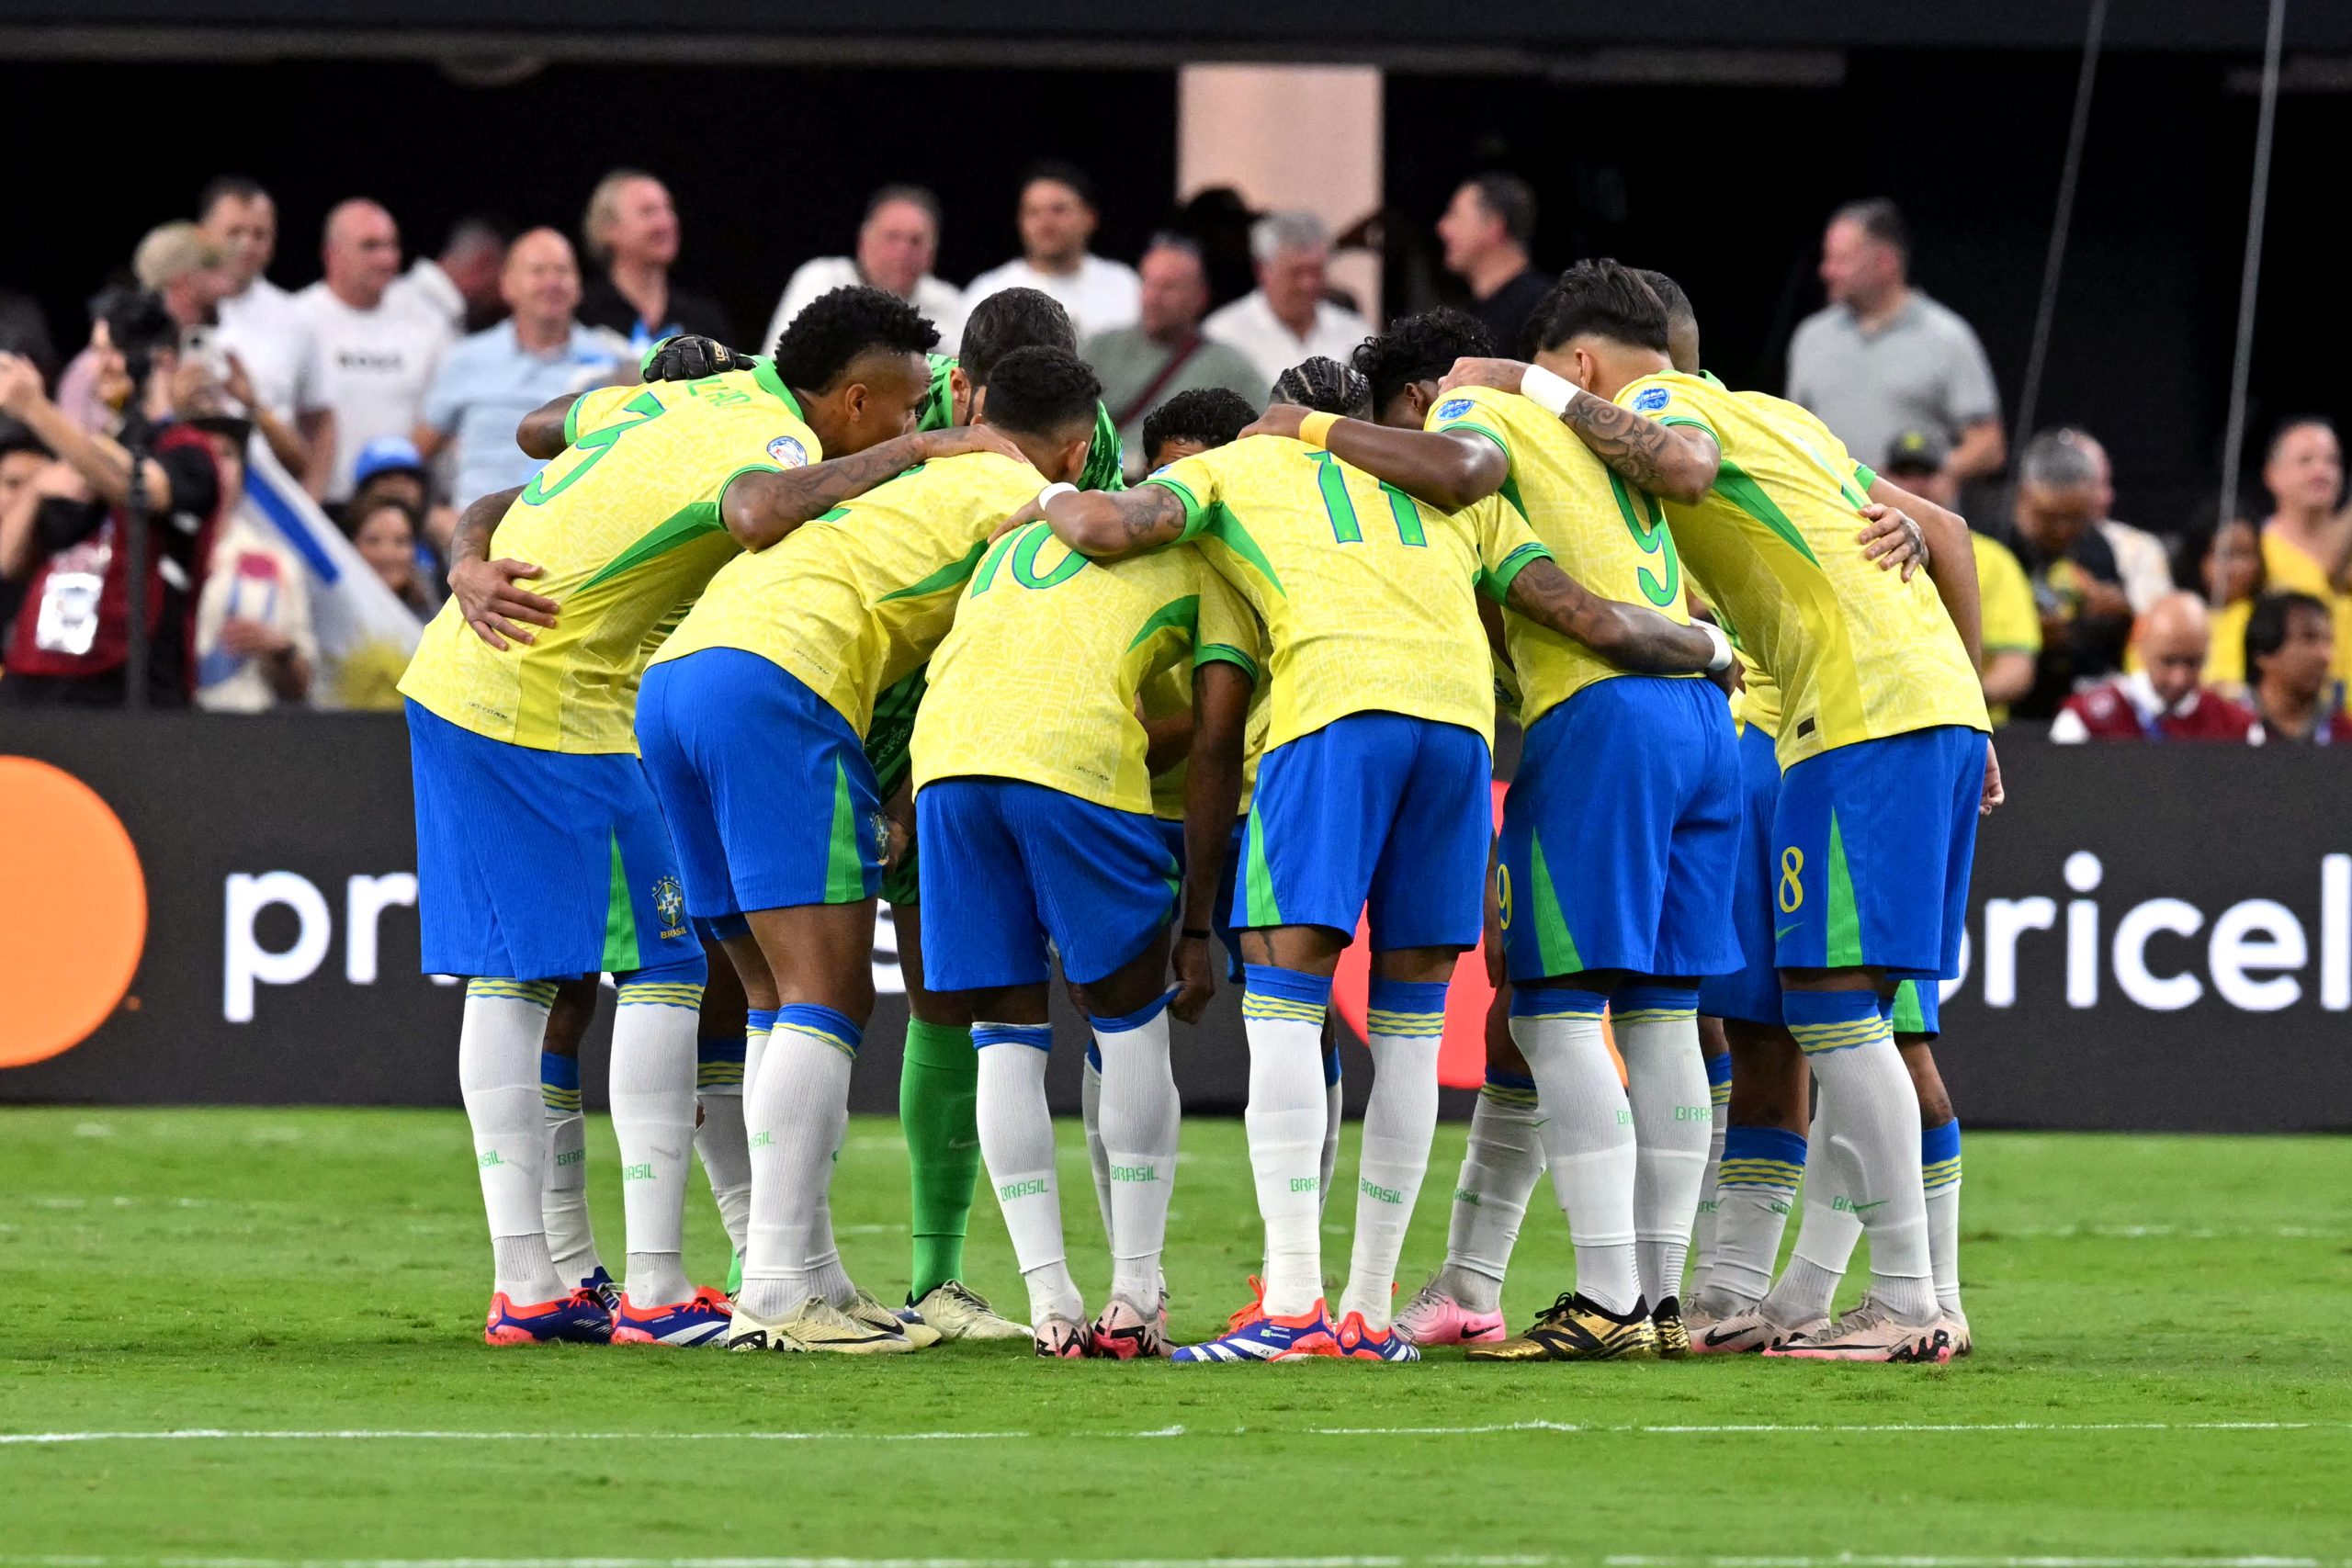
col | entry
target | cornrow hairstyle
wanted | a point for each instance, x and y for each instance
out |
(1326, 386)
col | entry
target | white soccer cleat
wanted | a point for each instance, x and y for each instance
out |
(1743, 1333)
(868, 1310)
(1871, 1332)
(1963, 1342)
(959, 1312)
(816, 1324)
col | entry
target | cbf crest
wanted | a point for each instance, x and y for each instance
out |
(670, 903)
(788, 450)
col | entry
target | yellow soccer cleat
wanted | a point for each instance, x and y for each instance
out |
(868, 1309)
(815, 1325)
(1574, 1329)
(1673, 1338)
(959, 1312)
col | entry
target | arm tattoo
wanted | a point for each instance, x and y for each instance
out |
(1629, 636)
(782, 501)
(1154, 516)
(1635, 446)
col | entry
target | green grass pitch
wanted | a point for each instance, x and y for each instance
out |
(2163, 1373)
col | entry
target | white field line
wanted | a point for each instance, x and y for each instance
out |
(1840, 1560)
(218, 1434)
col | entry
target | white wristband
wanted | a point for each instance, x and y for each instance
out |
(1554, 393)
(1722, 660)
(1046, 496)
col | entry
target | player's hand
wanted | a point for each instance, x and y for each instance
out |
(1503, 375)
(689, 357)
(1030, 512)
(487, 596)
(1994, 791)
(1893, 539)
(957, 440)
(1279, 418)
(1195, 977)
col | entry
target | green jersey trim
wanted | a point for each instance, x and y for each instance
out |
(1197, 516)
(1733, 485)
(1226, 529)
(1865, 476)
(1180, 615)
(1496, 584)
(955, 574)
(690, 522)
(764, 372)
(1225, 653)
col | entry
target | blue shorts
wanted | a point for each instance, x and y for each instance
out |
(1374, 813)
(1221, 912)
(1872, 847)
(1007, 865)
(540, 865)
(1915, 1008)
(1752, 991)
(1621, 834)
(767, 789)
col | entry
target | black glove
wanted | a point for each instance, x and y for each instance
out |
(690, 359)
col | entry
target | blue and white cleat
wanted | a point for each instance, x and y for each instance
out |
(702, 1318)
(600, 1285)
(576, 1319)
(1359, 1342)
(1268, 1339)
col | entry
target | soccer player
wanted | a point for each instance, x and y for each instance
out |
(1034, 794)
(753, 728)
(1382, 696)
(1883, 739)
(541, 856)
(1618, 834)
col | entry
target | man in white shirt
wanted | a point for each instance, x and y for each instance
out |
(1057, 218)
(461, 285)
(380, 355)
(261, 325)
(896, 246)
(1286, 318)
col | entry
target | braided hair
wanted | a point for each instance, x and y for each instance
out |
(1327, 387)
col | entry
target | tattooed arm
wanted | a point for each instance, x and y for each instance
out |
(1628, 636)
(1109, 524)
(1673, 461)
(762, 508)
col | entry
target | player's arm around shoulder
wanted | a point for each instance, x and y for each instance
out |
(1632, 637)
(1674, 459)
(1110, 525)
(486, 591)
(1950, 560)
(1447, 468)
(764, 506)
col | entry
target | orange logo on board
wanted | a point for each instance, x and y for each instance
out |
(73, 919)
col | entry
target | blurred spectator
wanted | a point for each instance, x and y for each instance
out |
(1056, 218)
(2011, 623)
(2290, 679)
(254, 645)
(1164, 353)
(21, 459)
(1287, 318)
(2229, 563)
(459, 286)
(1485, 232)
(24, 332)
(1883, 358)
(2076, 585)
(72, 634)
(264, 332)
(384, 531)
(2163, 699)
(2307, 541)
(631, 231)
(897, 244)
(1218, 220)
(2140, 556)
(393, 467)
(379, 355)
(180, 265)
(491, 380)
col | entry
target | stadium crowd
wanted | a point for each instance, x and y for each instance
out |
(389, 395)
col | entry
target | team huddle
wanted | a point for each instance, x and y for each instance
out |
(769, 638)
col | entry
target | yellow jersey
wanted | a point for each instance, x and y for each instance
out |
(851, 602)
(1171, 691)
(2011, 621)
(624, 521)
(2287, 569)
(1368, 597)
(1857, 653)
(1610, 538)
(1039, 680)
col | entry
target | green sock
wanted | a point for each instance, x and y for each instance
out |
(938, 1094)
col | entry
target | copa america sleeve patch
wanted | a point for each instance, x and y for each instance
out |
(1651, 398)
(1455, 408)
(788, 450)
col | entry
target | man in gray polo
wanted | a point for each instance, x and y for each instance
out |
(1163, 352)
(1883, 358)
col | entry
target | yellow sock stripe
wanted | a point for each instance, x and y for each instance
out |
(720, 1076)
(1943, 1173)
(1651, 1015)
(558, 1098)
(1379, 1021)
(1815, 1038)
(1719, 1093)
(1253, 1005)
(1773, 1173)
(1501, 1095)
(660, 993)
(539, 992)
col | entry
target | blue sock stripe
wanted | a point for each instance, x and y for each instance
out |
(1940, 1156)
(1775, 1144)
(1834, 1021)
(1422, 1025)
(1406, 996)
(1290, 985)
(541, 992)
(720, 1048)
(1670, 1000)
(835, 1029)
(1094, 1056)
(661, 993)
(1039, 1035)
(1332, 1066)
(558, 1071)
(1551, 1002)
(1718, 1070)
(1284, 1008)
(1514, 1082)
(1139, 1018)
(1772, 1176)
(759, 1020)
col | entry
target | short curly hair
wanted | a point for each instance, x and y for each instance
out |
(835, 328)
(1042, 391)
(1213, 416)
(1604, 297)
(1421, 347)
(1011, 319)
(1327, 387)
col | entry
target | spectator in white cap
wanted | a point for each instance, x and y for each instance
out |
(1287, 318)
(896, 245)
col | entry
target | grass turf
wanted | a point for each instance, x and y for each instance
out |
(316, 1272)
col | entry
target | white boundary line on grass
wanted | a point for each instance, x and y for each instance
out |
(216, 1434)
(1840, 1560)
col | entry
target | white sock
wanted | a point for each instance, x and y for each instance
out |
(1406, 1021)
(1141, 1115)
(1939, 1171)
(572, 1237)
(1288, 1120)
(1807, 1288)
(1335, 1116)
(498, 1072)
(1588, 1136)
(726, 1154)
(653, 1118)
(1017, 1143)
(1665, 1083)
(1755, 1189)
(1703, 1235)
(795, 1113)
(1871, 1113)
(827, 1278)
(1090, 1116)
(1500, 1169)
